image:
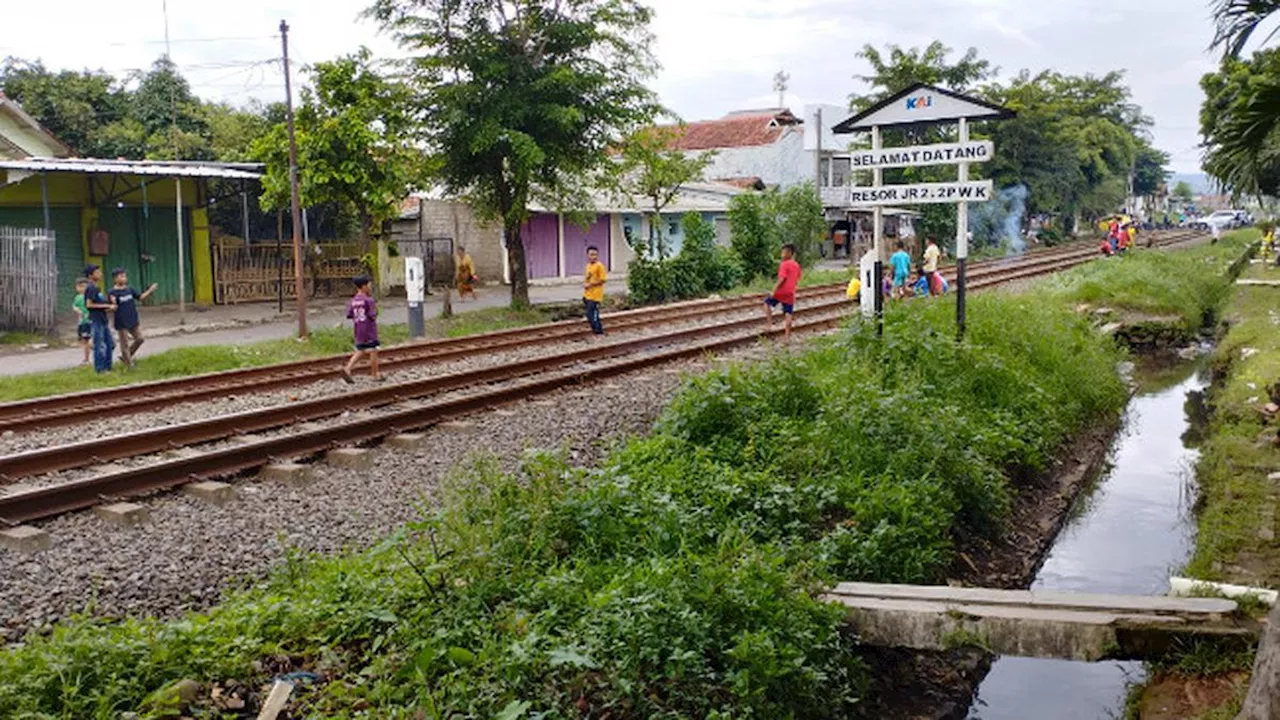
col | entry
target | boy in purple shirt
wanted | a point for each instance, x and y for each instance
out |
(363, 312)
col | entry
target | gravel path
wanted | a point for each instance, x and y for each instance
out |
(191, 551)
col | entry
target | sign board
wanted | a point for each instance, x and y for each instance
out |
(920, 104)
(921, 193)
(922, 155)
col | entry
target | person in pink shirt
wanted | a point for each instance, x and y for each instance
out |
(784, 293)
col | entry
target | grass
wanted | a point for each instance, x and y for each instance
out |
(1187, 285)
(199, 359)
(679, 578)
(1237, 502)
(18, 337)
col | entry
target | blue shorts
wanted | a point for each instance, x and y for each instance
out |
(84, 331)
(899, 280)
(787, 308)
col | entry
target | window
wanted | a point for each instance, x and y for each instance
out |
(673, 228)
(840, 172)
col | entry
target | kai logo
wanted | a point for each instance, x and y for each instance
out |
(922, 101)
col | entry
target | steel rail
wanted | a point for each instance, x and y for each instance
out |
(61, 410)
(205, 387)
(46, 502)
(115, 447)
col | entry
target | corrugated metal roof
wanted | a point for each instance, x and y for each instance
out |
(223, 171)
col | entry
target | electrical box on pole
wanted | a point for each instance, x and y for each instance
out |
(415, 288)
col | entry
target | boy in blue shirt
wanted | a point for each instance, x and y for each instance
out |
(126, 300)
(98, 305)
(901, 263)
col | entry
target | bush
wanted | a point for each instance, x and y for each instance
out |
(700, 268)
(760, 223)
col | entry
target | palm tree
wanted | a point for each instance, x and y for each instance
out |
(1237, 20)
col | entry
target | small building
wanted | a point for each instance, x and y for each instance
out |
(121, 213)
(21, 136)
(555, 243)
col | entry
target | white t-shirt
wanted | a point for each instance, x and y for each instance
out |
(931, 254)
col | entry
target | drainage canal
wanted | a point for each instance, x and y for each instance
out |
(1128, 533)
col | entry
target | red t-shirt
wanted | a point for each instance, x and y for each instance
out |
(788, 277)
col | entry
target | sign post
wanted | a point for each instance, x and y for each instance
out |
(962, 236)
(920, 106)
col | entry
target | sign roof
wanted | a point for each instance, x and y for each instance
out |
(922, 104)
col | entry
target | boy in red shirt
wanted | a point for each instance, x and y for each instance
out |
(784, 293)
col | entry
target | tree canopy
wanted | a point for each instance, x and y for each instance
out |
(354, 134)
(649, 168)
(523, 98)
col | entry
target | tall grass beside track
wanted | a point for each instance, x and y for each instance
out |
(679, 578)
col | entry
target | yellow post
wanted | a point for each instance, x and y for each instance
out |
(88, 221)
(201, 263)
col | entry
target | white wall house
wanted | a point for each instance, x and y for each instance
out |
(773, 145)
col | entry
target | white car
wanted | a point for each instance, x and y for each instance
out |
(1222, 220)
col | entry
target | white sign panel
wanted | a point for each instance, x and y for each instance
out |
(923, 104)
(921, 193)
(921, 155)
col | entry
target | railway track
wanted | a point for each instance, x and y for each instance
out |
(68, 409)
(406, 406)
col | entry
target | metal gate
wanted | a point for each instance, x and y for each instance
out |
(437, 258)
(28, 279)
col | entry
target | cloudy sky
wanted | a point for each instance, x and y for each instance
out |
(717, 55)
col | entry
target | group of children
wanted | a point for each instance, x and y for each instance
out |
(93, 305)
(1119, 238)
(929, 281)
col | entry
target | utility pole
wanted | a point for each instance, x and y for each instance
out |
(293, 191)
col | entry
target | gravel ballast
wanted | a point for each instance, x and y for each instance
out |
(191, 551)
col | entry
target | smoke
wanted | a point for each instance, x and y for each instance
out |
(999, 222)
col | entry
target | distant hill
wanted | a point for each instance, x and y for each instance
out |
(1199, 182)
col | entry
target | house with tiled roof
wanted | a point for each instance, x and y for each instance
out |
(770, 147)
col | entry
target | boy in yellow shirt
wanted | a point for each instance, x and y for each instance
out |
(593, 289)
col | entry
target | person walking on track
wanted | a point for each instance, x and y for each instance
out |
(363, 312)
(784, 292)
(593, 289)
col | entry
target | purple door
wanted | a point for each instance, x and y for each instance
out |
(541, 237)
(577, 240)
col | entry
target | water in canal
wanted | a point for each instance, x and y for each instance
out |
(1128, 535)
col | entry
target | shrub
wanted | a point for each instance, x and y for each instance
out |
(753, 235)
(761, 222)
(700, 268)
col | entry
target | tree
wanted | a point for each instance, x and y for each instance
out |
(521, 98)
(74, 106)
(1239, 123)
(904, 68)
(760, 223)
(354, 145)
(1075, 142)
(1235, 21)
(650, 168)
(1182, 191)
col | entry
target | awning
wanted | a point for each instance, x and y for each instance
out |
(155, 168)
